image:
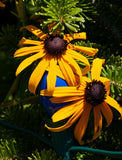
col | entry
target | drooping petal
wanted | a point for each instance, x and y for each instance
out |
(75, 67)
(81, 58)
(97, 122)
(27, 50)
(63, 92)
(67, 72)
(87, 50)
(82, 124)
(25, 41)
(69, 37)
(51, 77)
(66, 111)
(36, 31)
(37, 74)
(70, 122)
(28, 61)
(96, 68)
(113, 103)
(106, 111)
(106, 82)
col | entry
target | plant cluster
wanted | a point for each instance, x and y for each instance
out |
(101, 21)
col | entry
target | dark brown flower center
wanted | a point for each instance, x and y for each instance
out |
(55, 45)
(95, 93)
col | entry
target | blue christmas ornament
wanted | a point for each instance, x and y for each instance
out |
(47, 104)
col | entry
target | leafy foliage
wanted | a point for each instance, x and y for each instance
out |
(101, 21)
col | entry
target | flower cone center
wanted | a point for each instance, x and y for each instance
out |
(95, 93)
(55, 45)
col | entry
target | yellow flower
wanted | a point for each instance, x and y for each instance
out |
(55, 53)
(91, 95)
(2, 4)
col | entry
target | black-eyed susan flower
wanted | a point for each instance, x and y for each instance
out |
(91, 95)
(53, 51)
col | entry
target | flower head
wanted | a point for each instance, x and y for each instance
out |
(93, 94)
(55, 54)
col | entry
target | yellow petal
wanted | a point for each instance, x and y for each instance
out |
(66, 111)
(96, 68)
(70, 122)
(82, 124)
(27, 50)
(67, 72)
(37, 74)
(106, 82)
(87, 50)
(106, 111)
(97, 122)
(81, 58)
(75, 67)
(35, 31)
(58, 72)
(113, 103)
(51, 77)
(63, 92)
(69, 37)
(2, 4)
(25, 41)
(28, 61)
(65, 99)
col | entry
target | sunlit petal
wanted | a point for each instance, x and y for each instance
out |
(106, 111)
(69, 37)
(26, 51)
(51, 77)
(70, 122)
(37, 75)
(87, 50)
(106, 82)
(67, 72)
(82, 124)
(64, 91)
(25, 41)
(75, 67)
(66, 111)
(113, 103)
(65, 99)
(80, 58)
(36, 31)
(28, 61)
(97, 122)
(96, 68)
